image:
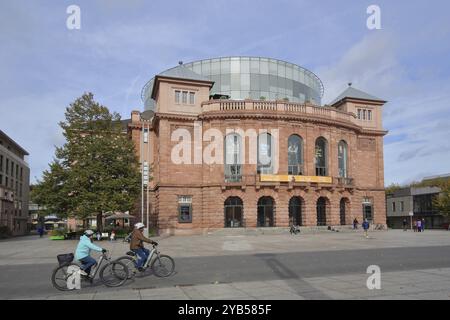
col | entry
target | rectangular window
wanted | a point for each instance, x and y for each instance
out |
(21, 174)
(145, 135)
(17, 171)
(393, 206)
(184, 97)
(191, 98)
(369, 114)
(1, 163)
(402, 206)
(184, 209)
(7, 166)
(364, 114)
(359, 114)
(177, 96)
(1, 179)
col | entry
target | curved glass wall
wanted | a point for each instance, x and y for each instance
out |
(254, 78)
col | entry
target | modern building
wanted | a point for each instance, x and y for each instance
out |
(14, 186)
(418, 201)
(245, 142)
(249, 78)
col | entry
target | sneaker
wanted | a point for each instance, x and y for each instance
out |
(140, 269)
(83, 273)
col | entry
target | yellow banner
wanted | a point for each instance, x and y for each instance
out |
(288, 178)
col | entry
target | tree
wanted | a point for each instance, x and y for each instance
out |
(392, 188)
(442, 201)
(96, 170)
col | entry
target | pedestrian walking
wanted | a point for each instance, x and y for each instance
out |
(405, 225)
(365, 226)
(423, 224)
(40, 231)
(419, 225)
(415, 226)
(112, 237)
(99, 236)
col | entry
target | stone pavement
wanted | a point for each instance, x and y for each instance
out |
(418, 281)
(33, 250)
(425, 284)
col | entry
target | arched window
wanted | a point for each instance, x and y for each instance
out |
(295, 211)
(266, 208)
(321, 208)
(233, 158)
(321, 156)
(295, 155)
(344, 204)
(342, 159)
(265, 153)
(233, 208)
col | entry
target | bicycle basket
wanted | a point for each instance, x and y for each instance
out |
(64, 259)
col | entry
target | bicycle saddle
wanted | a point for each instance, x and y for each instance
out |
(131, 253)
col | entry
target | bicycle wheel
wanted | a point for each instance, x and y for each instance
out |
(130, 263)
(114, 274)
(163, 266)
(60, 275)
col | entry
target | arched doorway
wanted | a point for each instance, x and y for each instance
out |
(295, 211)
(265, 212)
(343, 211)
(233, 208)
(321, 211)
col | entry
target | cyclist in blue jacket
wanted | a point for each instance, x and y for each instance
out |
(83, 251)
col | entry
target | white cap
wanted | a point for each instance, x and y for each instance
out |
(89, 232)
(139, 225)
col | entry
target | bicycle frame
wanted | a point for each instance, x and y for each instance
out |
(98, 265)
(149, 259)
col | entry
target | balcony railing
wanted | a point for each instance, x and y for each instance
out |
(278, 107)
(344, 181)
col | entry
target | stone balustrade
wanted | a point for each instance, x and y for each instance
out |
(277, 107)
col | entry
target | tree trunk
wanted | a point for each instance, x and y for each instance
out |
(100, 222)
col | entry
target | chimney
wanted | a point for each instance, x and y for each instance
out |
(135, 116)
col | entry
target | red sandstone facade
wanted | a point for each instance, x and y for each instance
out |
(360, 194)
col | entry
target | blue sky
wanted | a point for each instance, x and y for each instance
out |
(121, 44)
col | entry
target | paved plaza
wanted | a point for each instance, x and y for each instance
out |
(321, 265)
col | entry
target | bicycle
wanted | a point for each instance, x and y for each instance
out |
(162, 265)
(112, 274)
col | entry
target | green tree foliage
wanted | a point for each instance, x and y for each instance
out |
(392, 188)
(96, 170)
(442, 202)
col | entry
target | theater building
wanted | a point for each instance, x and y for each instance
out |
(244, 142)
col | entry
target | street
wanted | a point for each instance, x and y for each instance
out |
(309, 266)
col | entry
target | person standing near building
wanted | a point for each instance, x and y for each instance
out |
(405, 225)
(423, 224)
(355, 224)
(419, 225)
(365, 226)
(415, 226)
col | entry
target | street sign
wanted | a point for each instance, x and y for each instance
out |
(411, 213)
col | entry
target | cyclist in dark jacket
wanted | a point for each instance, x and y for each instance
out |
(137, 244)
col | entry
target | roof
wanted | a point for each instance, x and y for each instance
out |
(440, 176)
(181, 72)
(353, 93)
(13, 143)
